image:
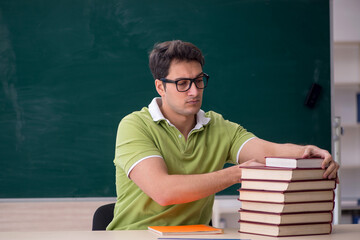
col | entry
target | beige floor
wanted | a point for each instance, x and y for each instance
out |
(52, 215)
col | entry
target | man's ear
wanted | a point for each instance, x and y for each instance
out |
(160, 88)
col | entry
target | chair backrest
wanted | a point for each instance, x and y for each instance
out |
(103, 216)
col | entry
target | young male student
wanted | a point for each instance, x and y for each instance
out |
(170, 155)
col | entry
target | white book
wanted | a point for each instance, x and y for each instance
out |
(294, 162)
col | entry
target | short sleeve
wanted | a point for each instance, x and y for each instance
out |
(133, 142)
(240, 136)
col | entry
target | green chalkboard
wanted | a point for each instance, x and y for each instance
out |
(70, 70)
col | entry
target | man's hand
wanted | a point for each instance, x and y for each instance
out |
(259, 149)
(331, 166)
(253, 163)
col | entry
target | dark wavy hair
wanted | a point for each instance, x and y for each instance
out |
(163, 53)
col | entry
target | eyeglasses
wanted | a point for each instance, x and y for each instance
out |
(184, 84)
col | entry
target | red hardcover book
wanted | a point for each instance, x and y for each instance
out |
(289, 162)
(288, 207)
(285, 230)
(285, 218)
(286, 196)
(297, 185)
(281, 174)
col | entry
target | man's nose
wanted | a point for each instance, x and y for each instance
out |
(193, 91)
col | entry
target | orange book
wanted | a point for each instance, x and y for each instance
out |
(185, 229)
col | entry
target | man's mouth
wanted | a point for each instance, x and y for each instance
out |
(193, 101)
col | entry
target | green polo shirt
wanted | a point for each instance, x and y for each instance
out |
(146, 133)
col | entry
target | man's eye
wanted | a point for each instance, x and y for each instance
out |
(182, 82)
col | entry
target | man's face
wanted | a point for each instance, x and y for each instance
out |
(176, 104)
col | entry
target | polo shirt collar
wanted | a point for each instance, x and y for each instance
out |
(157, 115)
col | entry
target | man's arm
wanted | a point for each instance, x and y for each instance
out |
(259, 149)
(152, 177)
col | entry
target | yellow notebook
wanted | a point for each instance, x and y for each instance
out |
(185, 229)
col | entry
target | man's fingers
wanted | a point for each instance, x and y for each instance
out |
(331, 171)
(307, 153)
(252, 162)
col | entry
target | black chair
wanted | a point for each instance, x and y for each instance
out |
(103, 216)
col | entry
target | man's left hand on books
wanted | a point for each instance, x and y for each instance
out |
(331, 166)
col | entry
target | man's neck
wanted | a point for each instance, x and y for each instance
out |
(183, 123)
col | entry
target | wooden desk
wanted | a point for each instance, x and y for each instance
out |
(340, 232)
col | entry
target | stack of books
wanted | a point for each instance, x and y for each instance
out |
(282, 199)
